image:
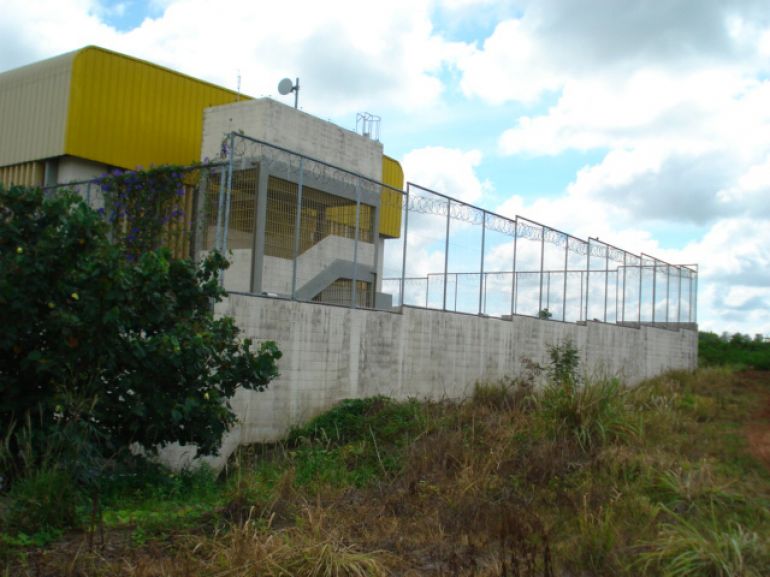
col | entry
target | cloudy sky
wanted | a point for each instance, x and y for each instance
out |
(643, 122)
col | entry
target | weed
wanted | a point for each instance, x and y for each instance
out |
(591, 413)
(688, 547)
(45, 499)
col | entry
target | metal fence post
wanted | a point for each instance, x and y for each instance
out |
(606, 277)
(513, 279)
(406, 233)
(297, 227)
(446, 249)
(679, 295)
(355, 246)
(623, 304)
(220, 210)
(481, 277)
(588, 275)
(542, 260)
(564, 294)
(229, 190)
(654, 286)
(695, 297)
(641, 270)
(668, 290)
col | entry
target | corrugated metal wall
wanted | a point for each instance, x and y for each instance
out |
(24, 174)
(126, 112)
(33, 110)
(391, 201)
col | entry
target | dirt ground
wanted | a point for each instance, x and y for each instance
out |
(758, 427)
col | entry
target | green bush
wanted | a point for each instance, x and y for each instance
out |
(735, 350)
(358, 419)
(125, 350)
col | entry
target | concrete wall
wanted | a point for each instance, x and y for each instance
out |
(333, 353)
(274, 122)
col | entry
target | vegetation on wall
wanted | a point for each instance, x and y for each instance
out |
(141, 205)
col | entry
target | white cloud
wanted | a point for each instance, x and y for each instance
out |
(450, 171)
(387, 55)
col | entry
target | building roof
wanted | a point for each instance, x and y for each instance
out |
(106, 107)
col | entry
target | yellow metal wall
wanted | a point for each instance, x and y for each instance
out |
(126, 112)
(391, 201)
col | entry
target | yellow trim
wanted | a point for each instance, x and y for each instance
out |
(391, 201)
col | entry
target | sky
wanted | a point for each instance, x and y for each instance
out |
(643, 122)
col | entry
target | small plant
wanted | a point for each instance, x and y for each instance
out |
(544, 314)
(686, 548)
(590, 412)
(46, 499)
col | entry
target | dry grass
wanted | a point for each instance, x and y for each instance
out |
(494, 486)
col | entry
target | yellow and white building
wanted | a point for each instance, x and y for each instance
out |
(78, 115)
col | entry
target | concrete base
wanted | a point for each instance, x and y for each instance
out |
(334, 353)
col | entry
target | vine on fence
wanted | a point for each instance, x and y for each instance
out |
(143, 205)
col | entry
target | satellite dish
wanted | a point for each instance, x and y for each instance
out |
(285, 86)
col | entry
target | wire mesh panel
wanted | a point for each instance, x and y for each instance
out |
(426, 250)
(464, 262)
(239, 221)
(576, 252)
(554, 274)
(530, 280)
(647, 286)
(630, 300)
(392, 203)
(497, 285)
(298, 227)
(596, 286)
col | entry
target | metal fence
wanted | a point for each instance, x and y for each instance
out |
(300, 228)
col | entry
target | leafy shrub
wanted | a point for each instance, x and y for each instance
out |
(733, 350)
(127, 350)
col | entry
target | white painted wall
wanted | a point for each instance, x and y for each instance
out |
(274, 122)
(277, 272)
(73, 169)
(334, 353)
